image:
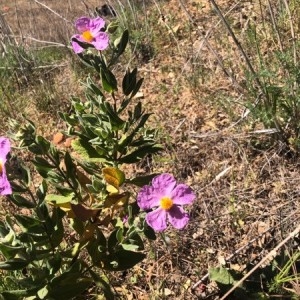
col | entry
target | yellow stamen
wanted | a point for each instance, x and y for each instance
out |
(1, 167)
(166, 203)
(87, 36)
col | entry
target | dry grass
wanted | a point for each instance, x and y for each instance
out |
(247, 185)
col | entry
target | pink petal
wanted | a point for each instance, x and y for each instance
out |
(5, 188)
(164, 183)
(157, 219)
(183, 194)
(96, 25)
(178, 217)
(76, 47)
(101, 41)
(147, 198)
(4, 148)
(82, 24)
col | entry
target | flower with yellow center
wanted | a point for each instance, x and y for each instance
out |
(167, 198)
(91, 33)
(87, 36)
(166, 203)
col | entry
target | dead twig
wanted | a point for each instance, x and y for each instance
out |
(268, 257)
(238, 44)
(211, 49)
(53, 11)
(239, 250)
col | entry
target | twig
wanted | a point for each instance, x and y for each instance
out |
(275, 25)
(39, 67)
(238, 44)
(231, 256)
(268, 257)
(292, 31)
(45, 42)
(248, 134)
(212, 50)
(53, 11)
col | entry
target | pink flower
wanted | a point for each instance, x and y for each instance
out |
(5, 188)
(167, 197)
(91, 32)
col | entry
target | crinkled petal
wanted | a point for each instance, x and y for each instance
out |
(148, 198)
(164, 183)
(178, 217)
(183, 194)
(157, 219)
(4, 148)
(5, 188)
(101, 41)
(76, 47)
(82, 24)
(96, 25)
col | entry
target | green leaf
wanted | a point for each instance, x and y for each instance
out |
(54, 263)
(69, 289)
(140, 181)
(221, 275)
(96, 251)
(149, 232)
(10, 251)
(113, 116)
(14, 264)
(30, 224)
(3, 229)
(43, 143)
(95, 90)
(137, 111)
(122, 260)
(119, 235)
(101, 282)
(112, 27)
(138, 154)
(121, 43)
(112, 241)
(57, 229)
(130, 247)
(84, 149)
(19, 294)
(43, 293)
(77, 225)
(137, 87)
(70, 169)
(42, 191)
(17, 188)
(35, 149)
(42, 166)
(128, 141)
(55, 177)
(109, 81)
(69, 284)
(20, 201)
(68, 119)
(129, 81)
(58, 199)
